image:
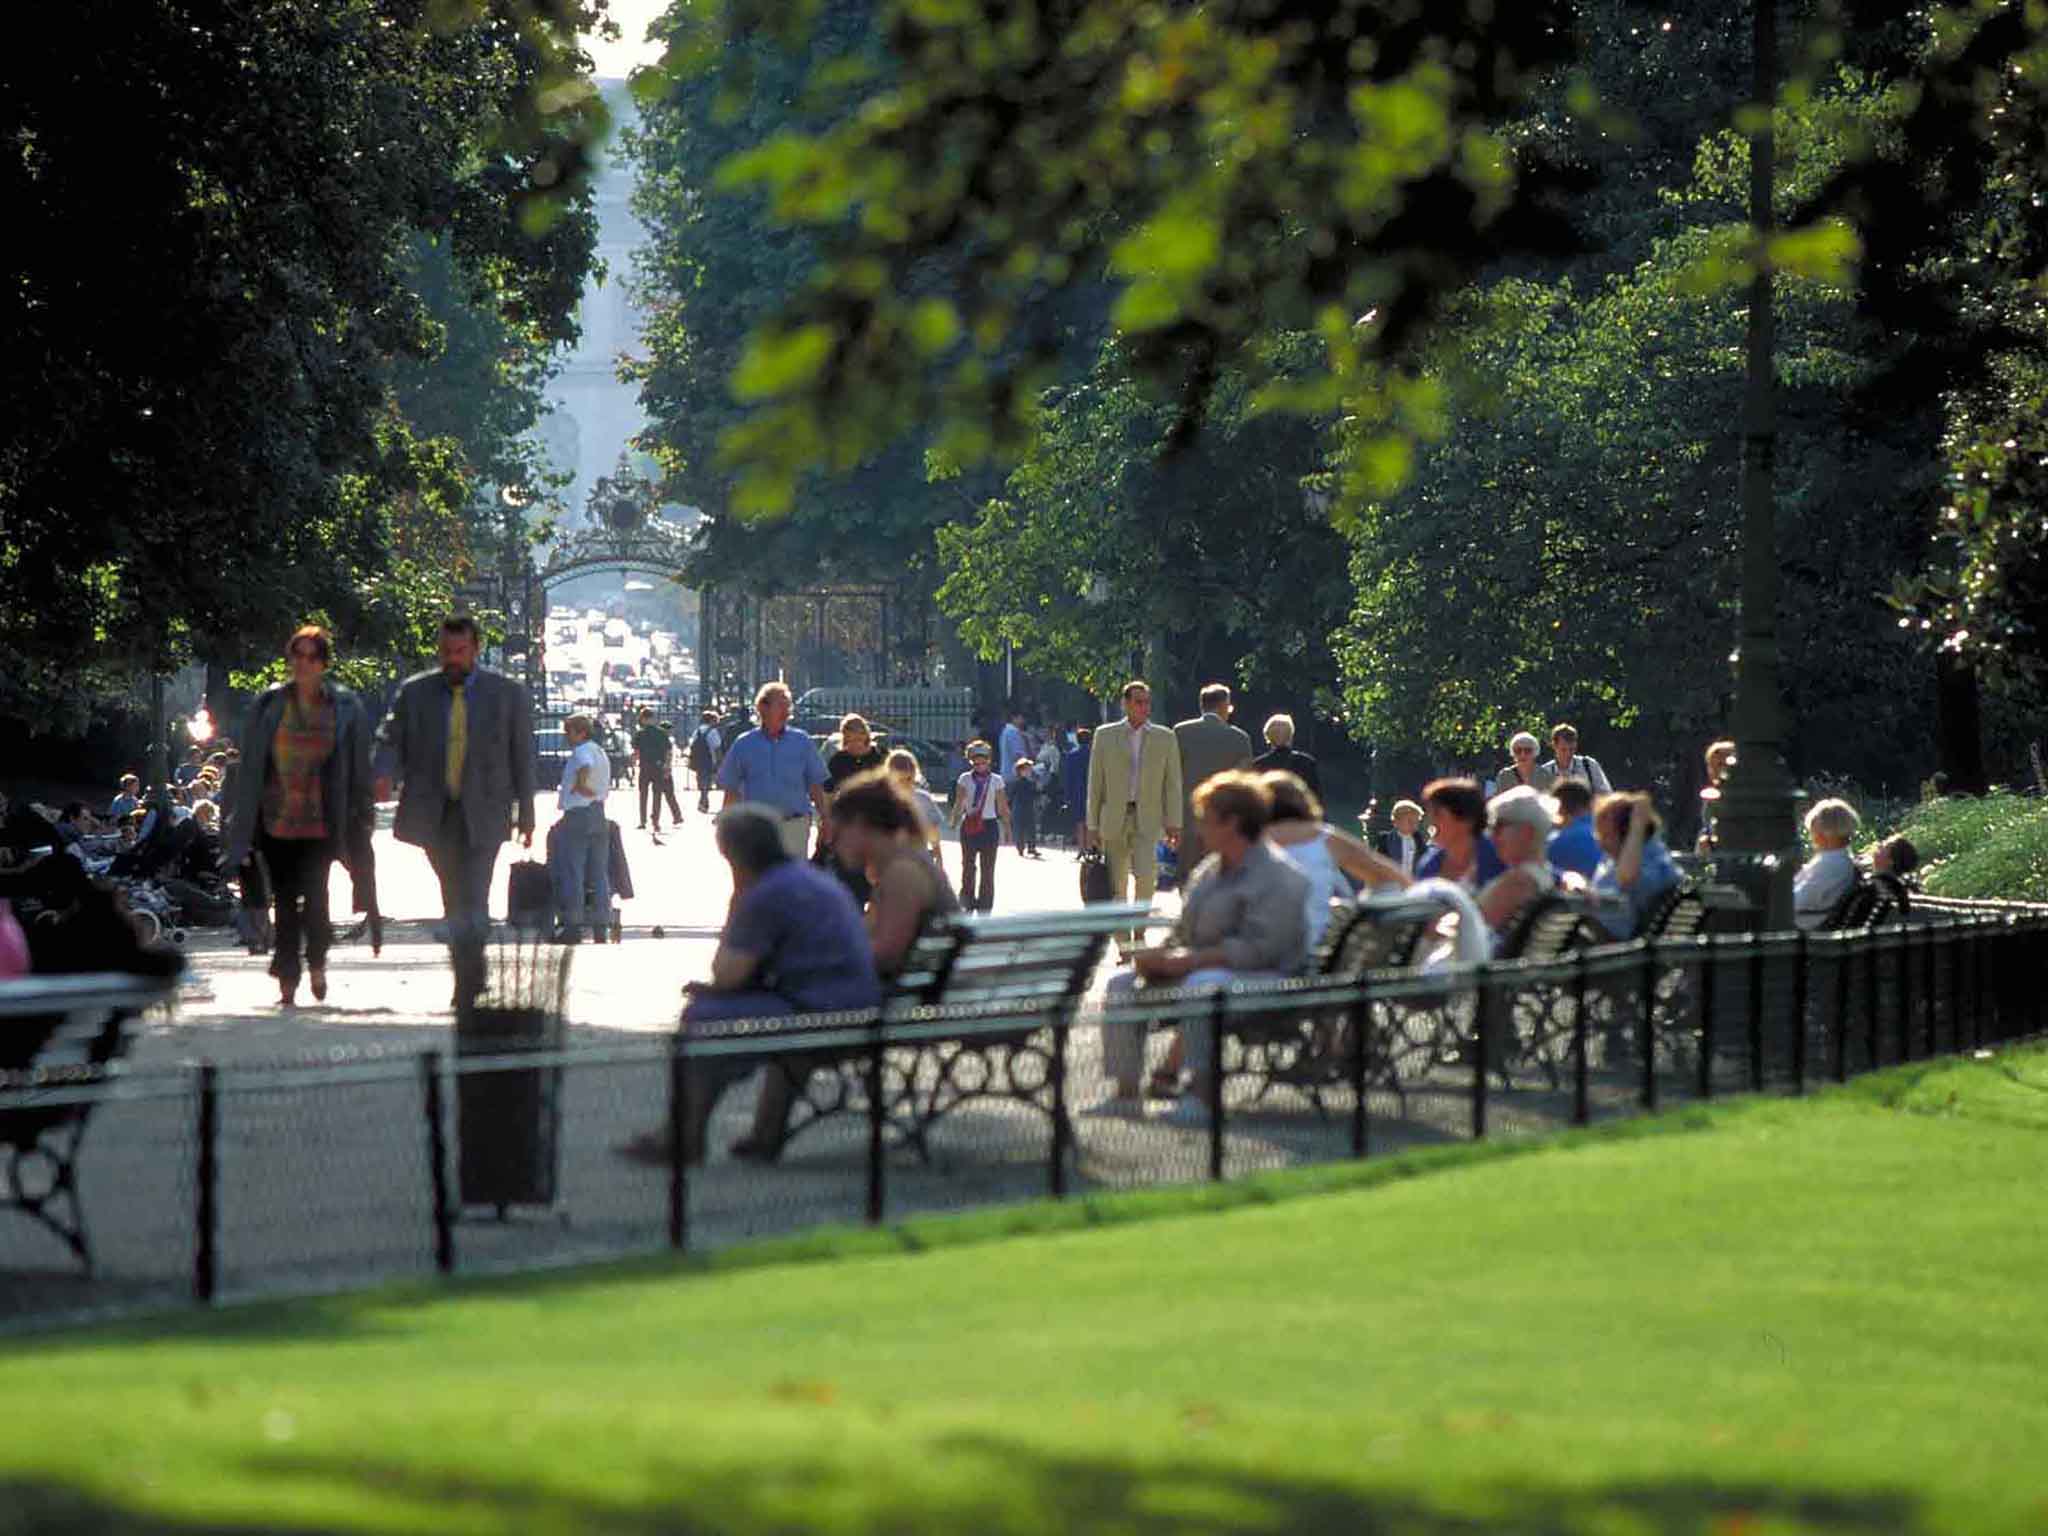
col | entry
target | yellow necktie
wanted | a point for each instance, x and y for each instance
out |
(458, 741)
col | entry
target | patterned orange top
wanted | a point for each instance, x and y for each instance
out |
(299, 752)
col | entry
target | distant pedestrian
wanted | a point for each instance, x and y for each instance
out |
(1523, 749)
(1209, 745)
(1280, 756)
(1134, 798)
(902, 766)
(778, 766)
(981, 812)
(1074, 784)
(1024, 794)
(1011, 747)
(653, 760)
(707, 747)
(580, 846)
(1405, 846)
(1567, 762)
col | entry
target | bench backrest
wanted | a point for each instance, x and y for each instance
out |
(1548, 927)
(1374, 937)
(1861, 905)
(60, 1022)
(1038, 962)
(1680, 913)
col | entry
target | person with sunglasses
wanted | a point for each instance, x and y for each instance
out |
(304, 801)
(1521, 768)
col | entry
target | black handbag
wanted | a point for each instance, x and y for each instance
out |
(1094, 876)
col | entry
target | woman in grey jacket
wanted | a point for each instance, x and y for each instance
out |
(303, 799)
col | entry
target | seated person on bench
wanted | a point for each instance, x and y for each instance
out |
(1635, 868)
(1242, 918)
(793, 943)
(1520, 823)
(1830, 874)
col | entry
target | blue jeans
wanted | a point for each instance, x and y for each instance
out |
(584, 851)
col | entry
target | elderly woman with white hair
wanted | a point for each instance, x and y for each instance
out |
(1280, 756)
(1523, 750)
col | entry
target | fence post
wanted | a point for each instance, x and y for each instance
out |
(678, 1152)
(437, 1162)
(206, 1244)
(1800, 988)
(1976, 981)
(1872, 1002)
(1216, 1089)
(1062, 1128)
(1709, 982)
(1482, 1039)
(1582, 1100)
(1361, 1021)
(1756, 1016)
(1904, 967)
(1839, 1041)
(1928, 966)
(1648, 1026)
(875, 1116)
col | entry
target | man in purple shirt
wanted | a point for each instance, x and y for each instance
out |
(794, 942)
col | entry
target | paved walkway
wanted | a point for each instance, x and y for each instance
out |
(325, 1175)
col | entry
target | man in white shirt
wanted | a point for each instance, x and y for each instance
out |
(1830, 874)
(580, 847)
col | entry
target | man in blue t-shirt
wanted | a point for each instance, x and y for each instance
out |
(778, 766)
(1573, 848)
(794, 942)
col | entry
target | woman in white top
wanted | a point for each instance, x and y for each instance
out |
(1320, 851)
(580, 848)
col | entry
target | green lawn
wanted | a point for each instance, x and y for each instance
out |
(1777, 1317)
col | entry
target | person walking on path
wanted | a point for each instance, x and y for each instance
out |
(1567, 762)
(1134, 797)
(459, 743)
(1280, 756)
(1024, 796)
(1074, 785)
(707, 746)
(778, 766)
(653, 755)
(1011, 746)
(581, 844)
(1209, 745)
(981, 810)
(304, 802)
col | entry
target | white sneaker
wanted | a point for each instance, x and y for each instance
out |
(1188, 1111)
(1115, 1108)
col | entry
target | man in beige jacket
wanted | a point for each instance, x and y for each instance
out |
(1134, 795)
(1209, 745)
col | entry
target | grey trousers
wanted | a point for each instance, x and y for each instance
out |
(1123, 1040)
(464, 869)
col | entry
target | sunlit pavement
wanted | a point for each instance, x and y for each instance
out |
(229, 1009)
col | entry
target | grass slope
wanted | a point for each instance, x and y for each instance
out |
(1816, 1317)
(1993, 847)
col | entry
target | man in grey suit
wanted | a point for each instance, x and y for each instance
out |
(460, 742)
(1209, 745)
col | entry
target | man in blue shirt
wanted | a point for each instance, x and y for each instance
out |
(778, 766)
(1573, 848)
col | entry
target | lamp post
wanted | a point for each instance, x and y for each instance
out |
(1756, 815)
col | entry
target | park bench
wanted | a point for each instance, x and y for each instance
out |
(969, 1017)
(58, 1035)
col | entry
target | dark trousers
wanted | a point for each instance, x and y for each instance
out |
(706, 778)
(978, 868)
(1025, 815)
(298, 882)
(661, 786)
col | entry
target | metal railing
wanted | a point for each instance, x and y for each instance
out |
(223, 1182)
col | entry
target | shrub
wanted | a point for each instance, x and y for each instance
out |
(1991, 847)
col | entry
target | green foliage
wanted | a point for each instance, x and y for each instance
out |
(1988, 847)
(221, 314)
(1570, 551)
(1236, 171)
(1106, 546)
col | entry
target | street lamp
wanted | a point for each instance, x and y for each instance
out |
(1757, 802)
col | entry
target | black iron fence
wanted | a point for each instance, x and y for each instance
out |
(216, 1182)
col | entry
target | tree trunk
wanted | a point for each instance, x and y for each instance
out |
(1959, 726)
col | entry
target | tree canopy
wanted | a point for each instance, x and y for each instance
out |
(236, 231)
